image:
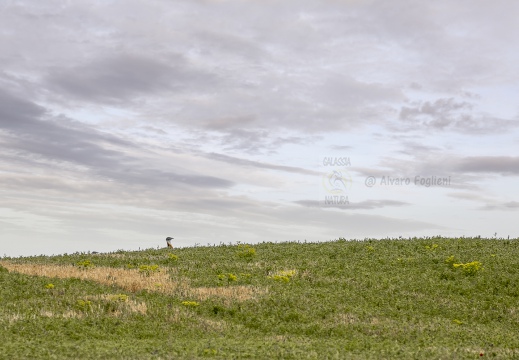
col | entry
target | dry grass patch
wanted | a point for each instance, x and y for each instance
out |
(132, 280)
(71, 314)
(128, 279)
(99, 305)
(180, 315)
(117, 304)
(13, 318)
(345, 319)
(212, 325)
(237, 293)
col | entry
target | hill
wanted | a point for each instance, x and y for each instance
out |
(427, 298)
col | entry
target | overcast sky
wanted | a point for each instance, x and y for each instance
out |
(123, 122)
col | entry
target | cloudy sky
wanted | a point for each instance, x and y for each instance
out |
(123, 122)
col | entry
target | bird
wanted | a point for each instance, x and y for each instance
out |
(168, 240)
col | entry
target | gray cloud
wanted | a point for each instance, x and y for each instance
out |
(466, 172)
(341, 147)
(17, 113)
(507, 206)
(504, 165)
(468, 196)
(361, 205)
(261, 165)
(62, 140)
(125, 76)
(57, 140)
(489, 203)
(251, 140)
(220, 44)
(448, 113)
(351, 225)
(411, 147)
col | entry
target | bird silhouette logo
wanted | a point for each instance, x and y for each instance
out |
(168, 241)
(337, 182)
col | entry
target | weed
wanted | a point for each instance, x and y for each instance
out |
(228, 278)
(246, 277)
(190, 303)
(85, 264)
(280, 278)
(471, 268)
(283, 276)
(210, 352)
(83, 305)
(118, 297)
(246, 252)
(450, 260)
(148, 270)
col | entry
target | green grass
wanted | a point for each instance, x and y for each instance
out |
(432, 298)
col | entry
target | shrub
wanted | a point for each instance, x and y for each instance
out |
(84, 305)
(118, 297)
(190, 303)
(246, 277)
(471, 268)
(283, 275)
(147, 270)
(85, 264)
(450, 260)
(229, 277)
(246, 252)
(280, 278)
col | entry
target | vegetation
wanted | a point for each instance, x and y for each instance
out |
(427, 298)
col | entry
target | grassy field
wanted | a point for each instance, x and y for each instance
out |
(432, 298)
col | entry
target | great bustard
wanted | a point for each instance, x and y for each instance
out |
(168, 240)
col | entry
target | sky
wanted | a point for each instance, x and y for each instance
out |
(243, 121)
